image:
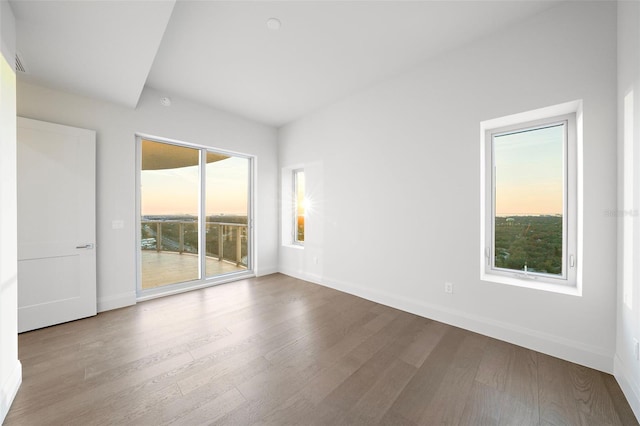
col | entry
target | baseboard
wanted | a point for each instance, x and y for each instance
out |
(549, 344)
(116, 301)
(261, 272)
(630, 388)
(9, 390)
(312, 278)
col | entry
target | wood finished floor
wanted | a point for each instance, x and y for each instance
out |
(276, 350)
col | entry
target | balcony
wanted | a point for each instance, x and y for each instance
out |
(170, 250)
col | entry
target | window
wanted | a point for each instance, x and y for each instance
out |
(530, 201)
(299, 206)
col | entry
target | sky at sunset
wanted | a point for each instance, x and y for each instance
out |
(175, 191)
(529, 172)
(300, 193)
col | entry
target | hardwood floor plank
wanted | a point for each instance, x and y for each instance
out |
(413, 401)
(515, 412)
(521, 387)
(306, 369)
(393, 418)
(279, 385)
(82, 399)
(492, 371)
(592, 397)
(449, 400)
(557, 404)
(358, 385)
(373, 405)
(214, 409)
(127, 410)
(291, 412)
(483, 407)
(292, 376)
(173, 411)
(334, 369)
(422, 345)
(623, 410)
(224, 364)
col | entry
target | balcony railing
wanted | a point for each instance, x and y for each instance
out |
(224, 241)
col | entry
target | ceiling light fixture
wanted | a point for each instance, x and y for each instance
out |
(165, 101)
(274, 24)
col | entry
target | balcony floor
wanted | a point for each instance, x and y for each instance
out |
(163, 268)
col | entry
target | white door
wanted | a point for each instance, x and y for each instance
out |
(56, 224)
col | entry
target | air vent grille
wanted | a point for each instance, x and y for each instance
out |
(20, 64)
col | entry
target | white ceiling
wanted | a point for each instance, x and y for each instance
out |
(102, 49)
(221, 53)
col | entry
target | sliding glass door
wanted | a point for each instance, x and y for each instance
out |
(227, 212)
(191, 197)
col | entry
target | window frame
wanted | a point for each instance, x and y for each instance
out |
(203, 280)
(294, 179)
(569, 115)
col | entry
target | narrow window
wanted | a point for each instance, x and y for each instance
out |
(530, 201)
(299, 207)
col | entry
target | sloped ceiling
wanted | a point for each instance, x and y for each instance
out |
(102, 49)
(222, 53)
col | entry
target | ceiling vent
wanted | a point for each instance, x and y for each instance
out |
(20, 63)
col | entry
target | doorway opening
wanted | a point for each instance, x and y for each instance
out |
(194, 216)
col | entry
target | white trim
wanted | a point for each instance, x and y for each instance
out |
(116, 301)
(288, 206)
(536, 114)
(570, 350)
(294, 246)
(531, 284)
(192, 145)
(252, 204)
(9, 390)
(137, 216)
(202, 215)
(630, 388)
(253, 262)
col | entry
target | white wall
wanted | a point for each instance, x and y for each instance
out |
(627, 366)
(397, 213)
(116, 169)
(10, 368)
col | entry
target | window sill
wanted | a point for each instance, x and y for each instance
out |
(294, 246)
(532, 284)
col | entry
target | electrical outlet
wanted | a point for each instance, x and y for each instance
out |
(448, 288)
(636, 349)
(315, 260)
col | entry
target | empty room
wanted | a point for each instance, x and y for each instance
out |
(303, 212)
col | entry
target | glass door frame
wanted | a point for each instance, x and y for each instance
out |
(203, 281)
